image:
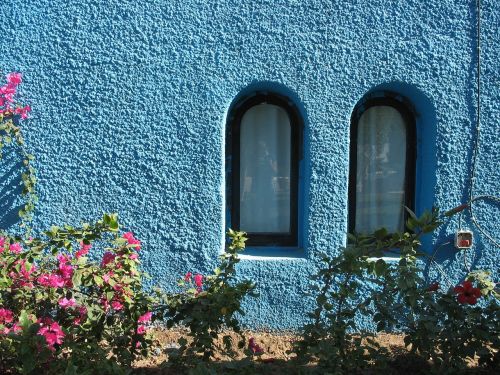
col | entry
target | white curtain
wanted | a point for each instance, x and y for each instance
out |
(265, 170)
(381, 160)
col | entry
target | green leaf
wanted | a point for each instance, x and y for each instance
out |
(24, 320)
(98, 280)
(380, 267)
(77, 278)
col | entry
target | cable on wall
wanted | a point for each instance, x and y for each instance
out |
(476, 141)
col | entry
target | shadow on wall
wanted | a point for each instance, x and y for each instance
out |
(10, 189)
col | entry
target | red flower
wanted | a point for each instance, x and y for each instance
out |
(467, 293)
(434, 287)
(198, 280)
(255, 348)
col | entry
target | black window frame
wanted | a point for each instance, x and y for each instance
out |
(409, 118)
(233, 167)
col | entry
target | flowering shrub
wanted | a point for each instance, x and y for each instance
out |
(208, 304)
(456, 326)
(12, 112)
(449, 327)
(59, 310)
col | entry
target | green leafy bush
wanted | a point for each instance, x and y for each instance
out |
(450, 327)
(208, 305)
(60, 311)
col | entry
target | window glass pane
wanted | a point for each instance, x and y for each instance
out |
(380, 179)
(265, 170)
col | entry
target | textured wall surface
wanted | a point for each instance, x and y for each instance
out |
(130, 101)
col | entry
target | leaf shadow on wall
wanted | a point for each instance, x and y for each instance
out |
(10, 189)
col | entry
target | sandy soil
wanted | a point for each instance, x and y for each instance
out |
(276, 359)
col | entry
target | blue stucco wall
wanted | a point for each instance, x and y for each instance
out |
(130, 100)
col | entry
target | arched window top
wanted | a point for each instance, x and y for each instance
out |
(264, 132)
(382, 163)
(264, 97)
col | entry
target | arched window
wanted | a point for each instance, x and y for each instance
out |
(382, 164)
(263, 153)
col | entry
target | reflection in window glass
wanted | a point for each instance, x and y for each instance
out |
(265, 167)
(380, 170)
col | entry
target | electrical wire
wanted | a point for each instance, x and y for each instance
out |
(438, 266)
(467, 265)
(475, 150)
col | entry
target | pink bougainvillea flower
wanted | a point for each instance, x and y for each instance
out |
(15, 248)
(52, 332)
(255, 348)
(56, 281)
(24, 274)
(6, 316)
(129, 236)
(467, 293)
(118, 287)
(116, 305)
(14, 329)
(23, 111)
(141, 330)
(9, 97)
(2, 244)
(134, 256)
(187, 277)
(51, 280)
(65, 270)
(107, 258)
(145, 317)
(67, 303)
(63, 258)
(14, 78)
(8, 89)
(84, 249)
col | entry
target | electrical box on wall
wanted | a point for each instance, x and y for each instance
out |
(463, 239)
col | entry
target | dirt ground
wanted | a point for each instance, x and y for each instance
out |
(275, 360)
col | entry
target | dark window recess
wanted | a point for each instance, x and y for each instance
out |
(263, 152)
(382, 164)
